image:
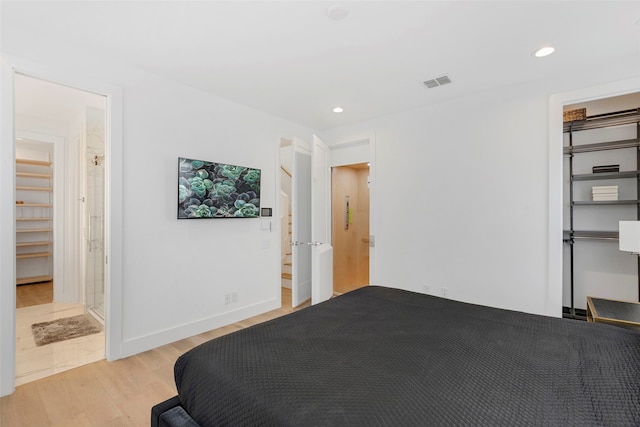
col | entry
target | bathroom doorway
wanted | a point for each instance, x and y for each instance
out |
(72, 123)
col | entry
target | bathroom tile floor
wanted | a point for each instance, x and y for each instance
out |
(33, 362)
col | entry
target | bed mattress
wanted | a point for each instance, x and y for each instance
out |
(381, 356)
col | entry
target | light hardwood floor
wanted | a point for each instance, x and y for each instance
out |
(34, 294)
(119, 393)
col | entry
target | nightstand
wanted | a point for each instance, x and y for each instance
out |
(619, 313)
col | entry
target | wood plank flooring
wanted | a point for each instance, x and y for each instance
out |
(34, 294)
(119, 393)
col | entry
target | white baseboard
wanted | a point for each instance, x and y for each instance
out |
(137, 345)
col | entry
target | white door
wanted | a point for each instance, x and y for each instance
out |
(322, 251)
(301, 223)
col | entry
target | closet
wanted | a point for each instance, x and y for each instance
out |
(34, 212)
(601, 188)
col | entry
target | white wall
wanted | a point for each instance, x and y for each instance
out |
(178, 272)
(462, 194)
(456, 201)
(40, 125)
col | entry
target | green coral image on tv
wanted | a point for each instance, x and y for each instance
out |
(217, 190)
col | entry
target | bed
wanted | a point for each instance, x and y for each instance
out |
(382, 356)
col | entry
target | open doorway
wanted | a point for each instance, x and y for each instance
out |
(295, 217)
(60, 227)
(350, 226)
(34, 221)
(349, 179)
(286, 221)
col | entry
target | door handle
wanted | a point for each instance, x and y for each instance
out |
(314, 243)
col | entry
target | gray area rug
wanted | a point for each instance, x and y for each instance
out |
(64, 329)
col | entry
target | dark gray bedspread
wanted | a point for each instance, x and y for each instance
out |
(380, 356)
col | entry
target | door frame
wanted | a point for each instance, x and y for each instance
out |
(9, 66)
(302, 268)
(321, 244)
(357, 154)
(361, 148)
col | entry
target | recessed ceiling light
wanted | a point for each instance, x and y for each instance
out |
(544, 51)
(338, 110)
(337, 12)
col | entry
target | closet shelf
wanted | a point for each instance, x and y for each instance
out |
(34, 279)
(34, 230)
(34, 255)
(604, 202)
(606, 175)
(34, 222)
(602, 146)
(33, 162)
(33, 175)
(28, 244)
(597, 121)
(21, 187)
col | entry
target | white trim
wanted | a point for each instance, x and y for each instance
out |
(113, 222)
(358, 139)
(7, 235)
(556, 102)
(143, 343)
(276, 218)
(113, 214)
(372, 204)
(553, 306)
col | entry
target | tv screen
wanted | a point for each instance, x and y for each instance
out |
(217, 190)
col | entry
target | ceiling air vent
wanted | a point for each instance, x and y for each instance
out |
(438, 81)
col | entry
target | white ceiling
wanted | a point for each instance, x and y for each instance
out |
(289, 59)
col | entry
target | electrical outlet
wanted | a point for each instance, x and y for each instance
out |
(230, 298)
(443, 292)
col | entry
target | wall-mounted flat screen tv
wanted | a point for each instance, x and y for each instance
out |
(217, 190)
